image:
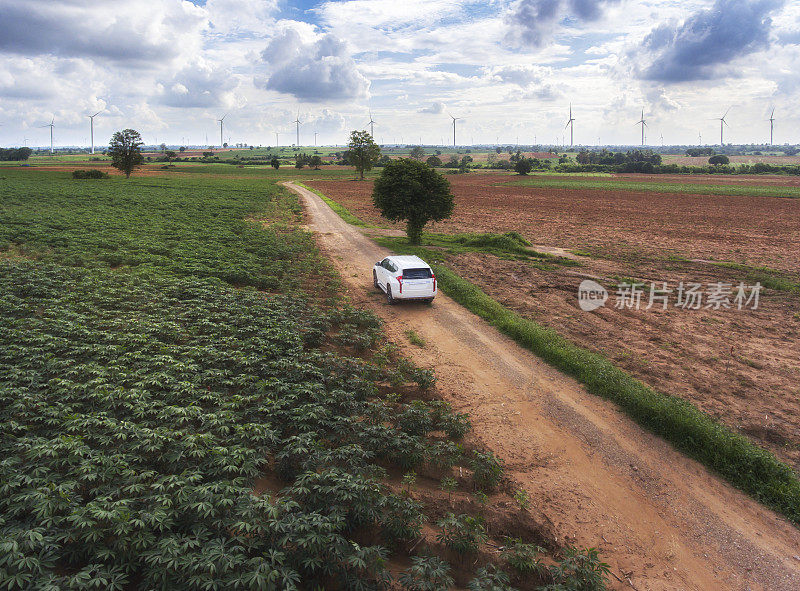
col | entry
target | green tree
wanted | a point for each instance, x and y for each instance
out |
(434, 161)
(417, 153)
(412, 191)
(362, 151)
(719, 159)
(275, 163)
(315, 161)
(523, 166)
(170, 154)
(125, 150)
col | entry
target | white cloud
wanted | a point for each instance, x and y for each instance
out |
(317, 71)
(435, 108)
(125, 32)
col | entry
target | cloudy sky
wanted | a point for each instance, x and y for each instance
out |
(509, 69)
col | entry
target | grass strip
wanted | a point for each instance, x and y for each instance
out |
(340, 210)
(745, 465)
(769, 278)
(657, 187)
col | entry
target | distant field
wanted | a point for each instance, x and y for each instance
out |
(673, 184)
(749, 159)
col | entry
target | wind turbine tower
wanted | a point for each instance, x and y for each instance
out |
(297, 121)
(771, 124)
(220, 129)
(571, 125)
(316, 133)
(91, 127)
(722, 124)
(51, 125)
(454, 128)
(371, 125)
(643, 124)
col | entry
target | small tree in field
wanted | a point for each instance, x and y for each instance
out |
(417, 153)
(412, 191)
(125, 151)
(362, 151)
(523, 166)
(718, 159)
(315, 161)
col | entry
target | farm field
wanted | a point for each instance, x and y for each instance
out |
(739, 366)
(184, 408)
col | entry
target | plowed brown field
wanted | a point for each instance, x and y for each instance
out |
(742, 366)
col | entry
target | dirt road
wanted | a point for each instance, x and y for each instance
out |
(600, 479)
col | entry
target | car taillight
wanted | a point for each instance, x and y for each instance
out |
(434, 280)
(400, 281)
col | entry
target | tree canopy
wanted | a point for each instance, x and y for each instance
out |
(125, 151)
(417, 153)
(15, 154)
(362, 151)
(412, 191)
(719, 159)
(523, 166)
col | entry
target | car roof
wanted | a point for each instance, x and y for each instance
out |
(408, 261)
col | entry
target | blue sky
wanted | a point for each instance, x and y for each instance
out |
(508, 68)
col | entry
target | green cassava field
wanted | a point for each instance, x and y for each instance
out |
(166, 353)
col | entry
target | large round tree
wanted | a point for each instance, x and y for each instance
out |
(412, 191)
(125, 151)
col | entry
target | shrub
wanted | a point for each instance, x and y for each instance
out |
(524, 558)
(92, 173)
(427, 573)
(580, 570)
(490, 578)
(462, 533)
(487, 470)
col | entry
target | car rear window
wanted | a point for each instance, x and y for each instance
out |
(417, 274)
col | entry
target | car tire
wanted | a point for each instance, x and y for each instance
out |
(375, 280)
(389, 297)
(428, 301)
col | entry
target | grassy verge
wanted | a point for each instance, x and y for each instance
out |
(769, 278)
(340, 210)
(742, 463)
(657, 187)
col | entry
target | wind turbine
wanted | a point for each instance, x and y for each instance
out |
(722, 124)
(50, 125)
(277, 142)
(643, 124)
(371, 125)
(454, 128)
(571, 125)
(220, 129)
(316, 133)
(297, 121)
(771, 124)
(91, 126)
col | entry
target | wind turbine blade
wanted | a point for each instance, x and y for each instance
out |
(726, 112)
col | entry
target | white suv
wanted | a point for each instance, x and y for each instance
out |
(404, 278)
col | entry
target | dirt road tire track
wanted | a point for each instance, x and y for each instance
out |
(599, 478)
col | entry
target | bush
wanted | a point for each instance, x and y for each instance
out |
(487, 471)
(580, 570)
(462, 533)
(490, 578)
(92, 173)
(427, 573)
